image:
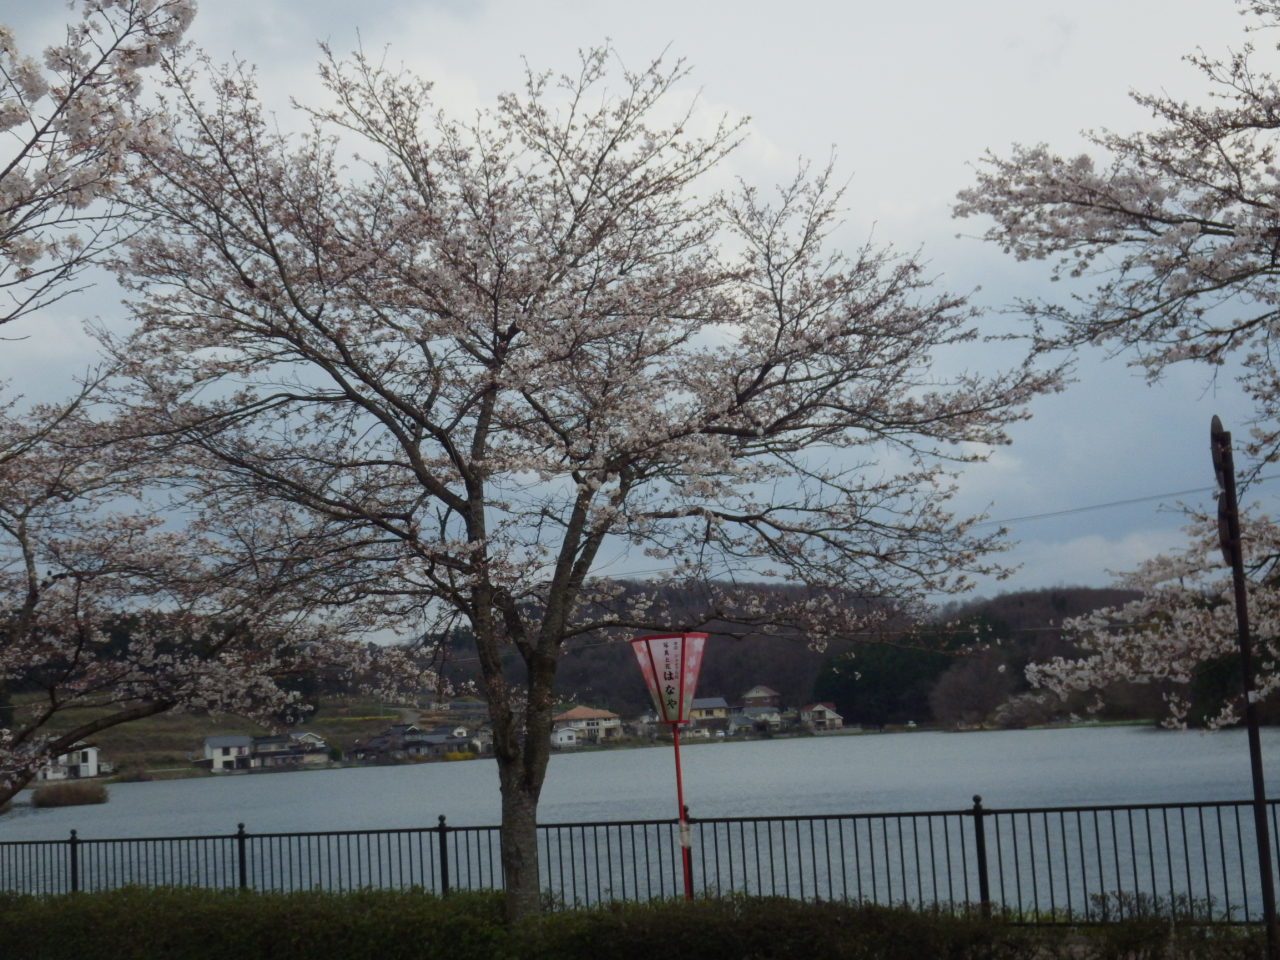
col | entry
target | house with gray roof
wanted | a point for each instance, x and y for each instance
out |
(710, 714)
(228, 752)
(225, 753)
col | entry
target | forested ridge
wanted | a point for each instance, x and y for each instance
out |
(963, 667)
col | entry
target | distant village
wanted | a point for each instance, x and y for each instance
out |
(909, 685)
(759, 712)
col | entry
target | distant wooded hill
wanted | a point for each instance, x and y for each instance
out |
(959, 669)
(967, 666)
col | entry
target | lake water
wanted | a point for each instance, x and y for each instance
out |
(873, 773)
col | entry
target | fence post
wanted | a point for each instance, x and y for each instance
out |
(444, 857)
(980, 841)
(73, 851)
(686, 843)
(242, 856)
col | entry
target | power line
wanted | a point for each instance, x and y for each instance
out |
(1113, 503)
(586, 643)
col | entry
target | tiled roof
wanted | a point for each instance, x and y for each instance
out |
(585, 713)
(231, 740)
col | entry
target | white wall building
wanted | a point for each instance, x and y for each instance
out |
(81, 761)
(231, 752)
(591, 724)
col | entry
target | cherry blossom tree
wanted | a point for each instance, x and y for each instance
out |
(67, 130)
(116, 611)
(1183, 625)
(1176, 228)
(1170, 239)
(501, 352)
(115, 607)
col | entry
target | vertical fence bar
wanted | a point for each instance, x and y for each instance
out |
(242, 856)
(73, 855)
(980, 842)
(444, 856)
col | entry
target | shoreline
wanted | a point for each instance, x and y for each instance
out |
(23, 797)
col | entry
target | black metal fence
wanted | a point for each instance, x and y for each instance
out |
(1042, 865)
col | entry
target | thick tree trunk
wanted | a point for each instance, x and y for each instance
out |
(520, 844)
(522, 721)
(522, 747)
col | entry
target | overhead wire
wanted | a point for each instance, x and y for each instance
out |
(1110, 503)
(586, 643)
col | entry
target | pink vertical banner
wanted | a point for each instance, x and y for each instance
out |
(670, 663)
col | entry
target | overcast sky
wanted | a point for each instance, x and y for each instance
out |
(907, 96)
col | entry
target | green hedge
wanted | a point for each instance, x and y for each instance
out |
(194, 924)
(152, 924)
(756, 928)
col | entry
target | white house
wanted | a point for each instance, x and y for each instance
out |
(288, 750)
(81, 761)
(564, 738)
(760, 718)
(762, 696)
(228, 752)
(591, 724)
(237, 752)
(307, 740)
(821, 716)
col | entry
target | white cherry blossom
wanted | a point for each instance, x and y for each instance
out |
(495, 349)
(68, 128)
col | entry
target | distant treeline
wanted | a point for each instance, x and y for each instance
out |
(963, 667)
(956, 669)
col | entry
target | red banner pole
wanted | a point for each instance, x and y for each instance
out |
(686, 854)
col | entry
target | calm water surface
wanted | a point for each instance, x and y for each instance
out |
(876, 773)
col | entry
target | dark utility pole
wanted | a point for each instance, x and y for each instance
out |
(1232, 552)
